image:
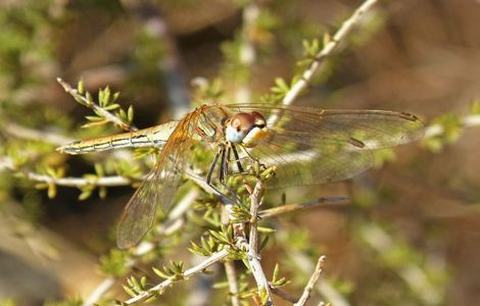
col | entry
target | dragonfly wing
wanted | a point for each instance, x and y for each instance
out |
(369, 129)
(315, 146)
(158, 188)
(139, 214)
(309, 165)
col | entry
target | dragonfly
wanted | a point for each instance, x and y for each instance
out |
(305, 146)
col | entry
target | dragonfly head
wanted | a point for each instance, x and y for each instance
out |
(246, 128)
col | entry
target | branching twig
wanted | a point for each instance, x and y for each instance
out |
(215, 257)
(252, 252)
(96, 108)
(311, 282)
(173, 223)
(327, 50)
(250, 246)
(256, 199)
(107, 181)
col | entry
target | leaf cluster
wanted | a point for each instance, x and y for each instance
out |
(106, 110)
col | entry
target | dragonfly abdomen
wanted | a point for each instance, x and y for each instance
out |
(151, 137)
(105, 143)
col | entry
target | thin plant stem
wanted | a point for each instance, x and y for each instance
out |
(311, 282)
(159, 288)
(96, 108)
(326, 51)
(231, 274)
(107, 181)
(252, 252)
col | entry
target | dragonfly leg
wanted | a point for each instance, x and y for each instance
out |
(220, 154)
(223, 167)
(214, 164)
(232, 194)
(237, 159)
(228, 158)
(253, 159)
(224, 155)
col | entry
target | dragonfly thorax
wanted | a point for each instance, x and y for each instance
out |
(248, 129)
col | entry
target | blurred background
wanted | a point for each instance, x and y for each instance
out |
(410, 236)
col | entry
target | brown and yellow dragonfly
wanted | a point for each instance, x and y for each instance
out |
(304, 145)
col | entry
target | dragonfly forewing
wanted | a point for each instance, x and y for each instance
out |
(312, 146)
(374, 128)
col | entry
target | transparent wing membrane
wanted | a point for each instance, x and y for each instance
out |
(310, 166)
(159, 187)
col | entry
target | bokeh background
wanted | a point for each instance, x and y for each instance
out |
(411, 235)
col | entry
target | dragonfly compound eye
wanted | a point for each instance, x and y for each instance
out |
(259, 120)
